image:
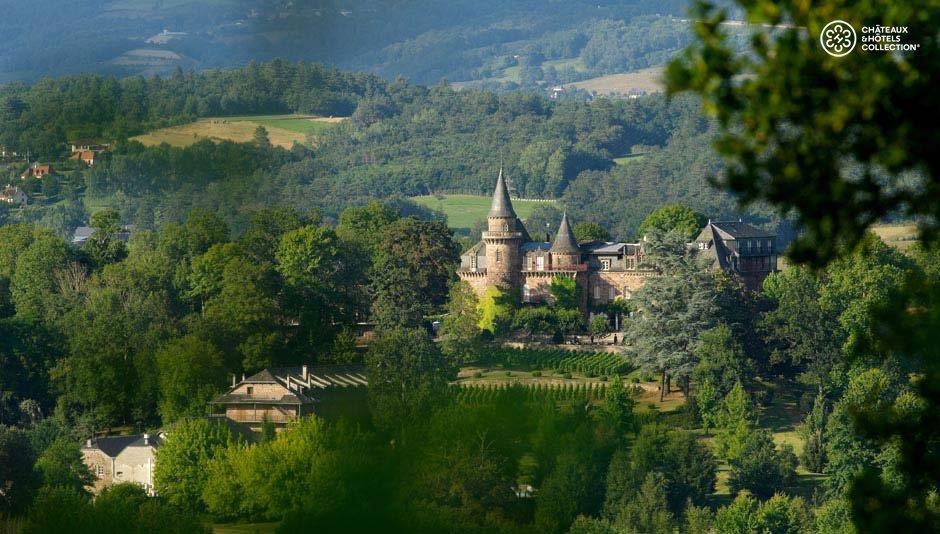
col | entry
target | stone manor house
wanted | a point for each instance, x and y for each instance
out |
(507, 257)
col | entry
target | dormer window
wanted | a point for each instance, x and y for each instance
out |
(251, 390)
(605, 264)
(505, 227)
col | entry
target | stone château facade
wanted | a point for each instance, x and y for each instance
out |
(508, 258)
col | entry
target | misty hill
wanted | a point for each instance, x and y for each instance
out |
(522, 43)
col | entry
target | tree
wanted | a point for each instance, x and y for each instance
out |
(565, 292)
(618, 407)
(721, 360)
(496, 310)
(407, 376)
(590, 231)
(567, 490)
(191, 373)
(460, 330)
(737, 421)
(61, 465)
(673, 311)
(813, 432)
(180, 471)
(795, 133)
(673, 217)
(543, 222)
(411, 271)
(17, 477)
(32, 284)
(760, 468)
(260, 138)
(739, 517)
(648, 511)
(598, 326)
(103, 246)
(364, 225)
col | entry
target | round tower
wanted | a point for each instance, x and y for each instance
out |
(503, 237)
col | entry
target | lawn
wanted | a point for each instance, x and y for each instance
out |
(464, 210)
(283, 130)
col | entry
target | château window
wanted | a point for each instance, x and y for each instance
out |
(526, 295)
(505, 227)
(540, 263)
(612, 294)
(605, 264)
(499, 256)
(100, 471)
(251, 390)
(597, 292)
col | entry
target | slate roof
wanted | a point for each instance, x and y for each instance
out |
(319, 377)
(739, 230)
(565, 243)
(113, 445)
(534, 245)
(502, 206)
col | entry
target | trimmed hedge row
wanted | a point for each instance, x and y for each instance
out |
(588, 363)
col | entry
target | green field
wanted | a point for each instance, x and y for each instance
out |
(464, 210)
(628, 159)
(283, 130)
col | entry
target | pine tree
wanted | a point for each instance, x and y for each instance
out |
(812, 431)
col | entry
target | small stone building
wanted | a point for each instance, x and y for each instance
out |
(13, 195)
(281, 395)
(115, 459)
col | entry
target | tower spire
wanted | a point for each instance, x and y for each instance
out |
(565, 243)
(502, 205)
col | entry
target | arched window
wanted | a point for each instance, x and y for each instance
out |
(499, 256)
(526, 296)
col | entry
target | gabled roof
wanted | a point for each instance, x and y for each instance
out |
(739, 230)
(261, 377)
(565, 243)
(114, 445)
(502, 205)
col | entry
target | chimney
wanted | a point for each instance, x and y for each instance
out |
(303, 372)
(146, 439)
(234, 380)
(243, 377)
(88, 443)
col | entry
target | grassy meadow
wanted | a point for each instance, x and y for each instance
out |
(464, 210)
(283, 130)
(649, 80)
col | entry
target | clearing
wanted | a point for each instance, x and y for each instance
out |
(464, 210)
(648, 80)
(283, 130)
(901, 235)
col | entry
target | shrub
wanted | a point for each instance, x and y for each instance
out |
(536, 373)
(566, 375)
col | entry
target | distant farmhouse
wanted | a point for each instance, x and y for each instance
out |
(87, 151)
(281, 395)
(507, 257)
(116, 459)
(36, 170)
(6, 152)
(13, 195)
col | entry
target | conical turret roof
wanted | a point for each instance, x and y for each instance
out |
(502, 206)
(565, 243)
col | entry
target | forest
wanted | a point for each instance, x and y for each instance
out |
(810, 405)
(400, 140)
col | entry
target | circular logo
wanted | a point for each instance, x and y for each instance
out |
(838, 38)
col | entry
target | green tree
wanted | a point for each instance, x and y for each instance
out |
(411, 271)
(180, 471)
(103, 246)
(590, 231)
(721, 360)
(407, 376)
(363, 225)
(813, 432)
(32, 284)
(61, 464)
(673, 311)
(191, 373)
(760, 468)
(16, 470)
(496, 310)
(565, 292)
(739, 517)
(673, 217)
(618, 408)
(598, 326)
(460, 330)
(260, 138)
(736, 420)
(648, 511)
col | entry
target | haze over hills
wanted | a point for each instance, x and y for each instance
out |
(498, 44)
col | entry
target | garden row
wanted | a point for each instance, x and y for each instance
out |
(588, 363)
(490, 393)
